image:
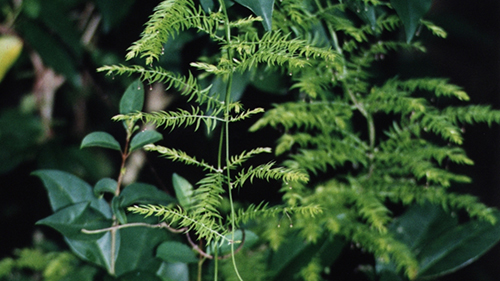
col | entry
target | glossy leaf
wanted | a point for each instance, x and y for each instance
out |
(105, 185)
(137, 246)
(174, 271)
(411, 12)
(294, 254)
(65, 189)
(133, 98)
(72, 219)
(173, 252)
(364, 11)
(95, 251)
(140, 275)
(183, 191)
(142, 193)
(262, 8)
(441, 244)
(100, 139)
(458, 247)
(143, 138)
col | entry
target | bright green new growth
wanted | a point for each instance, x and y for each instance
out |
(328, 56)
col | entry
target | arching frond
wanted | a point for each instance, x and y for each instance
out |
(178, 155)
(169, 18)
(266, 171)
(205, 227)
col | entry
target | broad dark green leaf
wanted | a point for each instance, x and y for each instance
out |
(262, 8)
(411, 12)
(183, 191)
(133, 98)
(294, 254)
(134, 248)
(95, 251)
(174, 271)
(142, 193)
(72, 219)
(440, 244)
(143, 138)
(365, 11)
(458, 247)
(65, 189)
(138, 245)
(105, 185)
(113, 12)
(139, 275)
(100, 139)
(420, 224)
(173, 252)
(269, 81)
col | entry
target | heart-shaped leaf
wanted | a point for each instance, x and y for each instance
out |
(262, 8)
(65, 189)
(411, 12)
(100, 139)
(143, 138)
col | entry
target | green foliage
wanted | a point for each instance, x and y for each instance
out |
(340, 179)
(49, 265)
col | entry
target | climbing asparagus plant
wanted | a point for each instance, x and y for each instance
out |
(383, 142)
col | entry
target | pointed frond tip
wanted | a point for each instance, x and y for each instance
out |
(169, 18)
(178, 155)
(266, 171)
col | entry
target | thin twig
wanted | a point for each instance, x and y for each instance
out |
(136, 224)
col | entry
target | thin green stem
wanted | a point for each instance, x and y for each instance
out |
(226, 126)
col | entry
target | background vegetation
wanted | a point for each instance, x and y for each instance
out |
(45, 114)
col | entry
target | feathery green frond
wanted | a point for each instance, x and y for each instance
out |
(238, 160)
(174, 119)
(178, 155)
(273, 49)
(436, 30)
(267, 171)
(187, 86)
(169, 18)
(439, 87)
(203, 226)
(290, 115)
(472, 114)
